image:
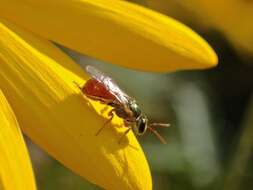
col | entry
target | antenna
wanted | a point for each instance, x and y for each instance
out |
(159, 125)
(157, 135)
(162, 140)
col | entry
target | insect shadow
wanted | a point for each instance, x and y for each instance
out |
(85, 109)
(122, 139)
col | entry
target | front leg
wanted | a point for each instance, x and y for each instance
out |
(127, 124)
(125, 133)
(110, 114)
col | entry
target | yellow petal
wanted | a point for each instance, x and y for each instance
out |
(38, 81)
(15, 166)
(180, 11)
(115, 31)
(231, 17)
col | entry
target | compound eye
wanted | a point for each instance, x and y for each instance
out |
(142, 125)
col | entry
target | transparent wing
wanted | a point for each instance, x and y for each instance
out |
(109, 83)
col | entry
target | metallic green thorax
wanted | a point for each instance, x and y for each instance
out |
(141, 121)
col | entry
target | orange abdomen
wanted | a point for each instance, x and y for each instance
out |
(95, 88)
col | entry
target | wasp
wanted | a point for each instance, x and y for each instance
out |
(104, 89)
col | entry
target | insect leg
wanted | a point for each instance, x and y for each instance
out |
(125, 133)
(102, 100)
(110, 114)
(77, 85)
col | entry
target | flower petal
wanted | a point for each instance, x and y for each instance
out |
(233, 18)
(115, 31)
(38, 81)
(15, 166)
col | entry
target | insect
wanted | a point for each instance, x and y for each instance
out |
(102, 88)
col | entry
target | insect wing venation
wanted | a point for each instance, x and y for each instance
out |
(109, 83)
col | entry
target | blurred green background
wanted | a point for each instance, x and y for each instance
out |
(210, 142)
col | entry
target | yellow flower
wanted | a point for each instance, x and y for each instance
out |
(180, 10)
(15, 166)
(117, 32)
(37, 78)
(233, 18)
